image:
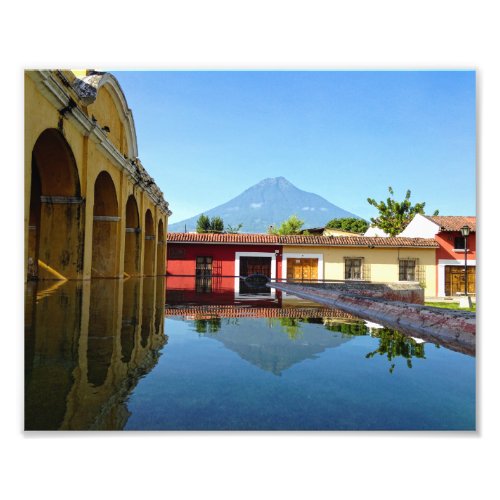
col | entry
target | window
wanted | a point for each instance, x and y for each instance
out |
(175, 252)
(407, 268)
(353, 268)
(459, 243)
(203, 266)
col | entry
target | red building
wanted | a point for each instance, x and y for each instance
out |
(214, 255)
(450, 256)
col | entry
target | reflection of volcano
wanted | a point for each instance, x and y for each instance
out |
(270, 346)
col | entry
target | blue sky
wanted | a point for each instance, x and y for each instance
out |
(207, 136)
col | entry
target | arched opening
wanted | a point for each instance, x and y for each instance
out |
(160, 250)
(105, 228)
(55, 242)
(149, 245)
(132, 265)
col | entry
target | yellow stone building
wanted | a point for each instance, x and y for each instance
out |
(379, 264)
(91, 209)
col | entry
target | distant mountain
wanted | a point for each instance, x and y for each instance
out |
(270, 202)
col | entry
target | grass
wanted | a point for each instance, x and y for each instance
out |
(451, 305)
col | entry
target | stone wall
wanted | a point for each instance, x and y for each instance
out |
(404, 292)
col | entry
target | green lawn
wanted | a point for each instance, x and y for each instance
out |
(451, 305)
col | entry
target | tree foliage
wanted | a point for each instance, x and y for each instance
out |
(217, 225)
(292, 225)
(351, 224)
(394, 215)
(206, 225)
(203, 224)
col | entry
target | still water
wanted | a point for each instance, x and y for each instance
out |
(133, 355)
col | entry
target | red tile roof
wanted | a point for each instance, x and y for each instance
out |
(453, 222)
(229, 311)
(271, 239)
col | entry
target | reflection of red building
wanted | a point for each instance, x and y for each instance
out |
(450, 256)
(216, 290)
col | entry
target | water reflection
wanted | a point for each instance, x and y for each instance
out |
(86, 346)
(256, 343)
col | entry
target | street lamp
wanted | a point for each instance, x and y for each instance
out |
(465, 230)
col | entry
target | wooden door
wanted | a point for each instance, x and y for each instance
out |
(302, 269)
(455, 280)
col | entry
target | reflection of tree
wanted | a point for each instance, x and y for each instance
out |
(211, 325)
(394, 344)
(291, 326)
(354, 329)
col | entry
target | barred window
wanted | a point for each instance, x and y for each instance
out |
(203, 266)
(353, 268)
(407, 268)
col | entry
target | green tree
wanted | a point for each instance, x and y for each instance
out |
(233, 230)
(206, 225)
(394, 215)
(216, 225)
(203, 224)
(292, 225)
(352, 224)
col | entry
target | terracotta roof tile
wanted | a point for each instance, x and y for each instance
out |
(453, 222)
(270, 239)
(229, 311)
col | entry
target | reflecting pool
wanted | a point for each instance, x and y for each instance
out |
(136, 355)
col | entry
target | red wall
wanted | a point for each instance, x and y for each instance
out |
(446, 246)
(223, 257)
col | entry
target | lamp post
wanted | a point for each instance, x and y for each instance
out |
(465, 230)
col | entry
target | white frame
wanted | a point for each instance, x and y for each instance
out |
(237, 256)
(286, 256)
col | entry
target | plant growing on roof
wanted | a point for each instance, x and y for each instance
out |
(203, 224)
(216, 225)
(394, 215)
(233, 230)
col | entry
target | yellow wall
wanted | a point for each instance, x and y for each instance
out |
(42, 112)
(383, 262)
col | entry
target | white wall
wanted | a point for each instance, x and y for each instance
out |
(420, 227)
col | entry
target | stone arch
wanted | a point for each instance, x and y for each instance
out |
(160, 250)
(88, 89)
(105, 228)
(149, 244)
(132, 264)
(55, 243)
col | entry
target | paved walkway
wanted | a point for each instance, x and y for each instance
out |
(448, 299)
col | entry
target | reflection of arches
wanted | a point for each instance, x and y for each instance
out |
(105, 228)
(103, 317)
(130, 318)
(160, 305)
(149, 245)
(160, 250)
(55, 237)
(148, 306)
(132, 265)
